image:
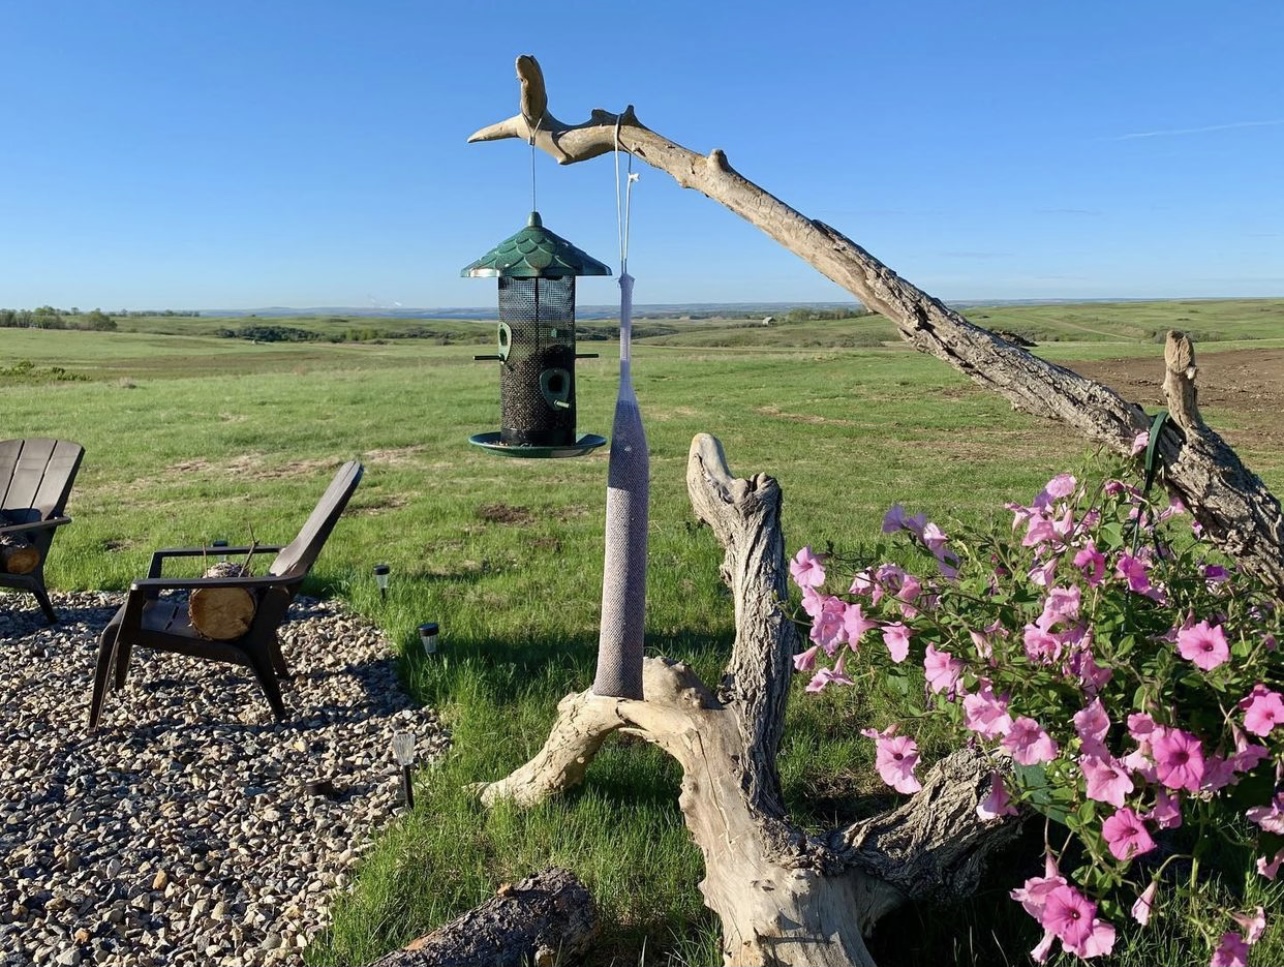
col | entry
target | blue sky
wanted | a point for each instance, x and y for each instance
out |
(246, 154)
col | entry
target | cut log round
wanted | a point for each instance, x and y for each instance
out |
(17, 556)
(542, 920)
(222, 614)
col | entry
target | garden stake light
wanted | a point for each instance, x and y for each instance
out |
(536, 353)
(428, 637)
(403, 748)
(381, 579)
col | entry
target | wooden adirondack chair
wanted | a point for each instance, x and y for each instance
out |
(35, 479)
(149, 621)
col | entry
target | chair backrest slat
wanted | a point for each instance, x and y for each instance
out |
(297, 557)
(36, 475)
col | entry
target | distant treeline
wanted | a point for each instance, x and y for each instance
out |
(258, 332)
(817, 315)
(47, 317)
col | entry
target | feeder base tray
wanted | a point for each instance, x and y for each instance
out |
(491, 442)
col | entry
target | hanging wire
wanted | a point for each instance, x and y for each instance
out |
(534, 132)
(623, 206)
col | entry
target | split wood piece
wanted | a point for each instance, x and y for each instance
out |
(222, 614)
(1235, 508)
(18, 555)
(543, 920)
(785, 899)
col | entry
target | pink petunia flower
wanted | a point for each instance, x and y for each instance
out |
(855, 624)
(806, 661)
(1126, 835)
(1270, 868)
(1166, 813)
(1033, 894)
(1269, 817)
(1099, 942)
(1092, 563)
(1145, 903)
(1043, 574)
(941, 669)
(807, 569)
(997, 803)
(1231, 952)
(1253, 924)
(1105, 780)
(1062, 485)
(897, 638)
(1092, 723)
(1068, 914)
(1135, 571)
(1179, 759)
(1247, 754)
(985, 714)
(827, 628)
(1061, 605)
(895, 758)
(1028, 743)
(1204, 645)
(1040, 646)
(830, 676)
(1263, 710)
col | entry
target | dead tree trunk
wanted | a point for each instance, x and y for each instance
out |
(1235, 508)
(785, 899)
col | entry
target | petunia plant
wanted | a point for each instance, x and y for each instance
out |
(1123, 678)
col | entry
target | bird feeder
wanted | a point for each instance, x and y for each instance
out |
(536, 352)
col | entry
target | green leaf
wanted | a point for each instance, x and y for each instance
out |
(1045, 798)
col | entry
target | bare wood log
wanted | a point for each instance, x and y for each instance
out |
(17, 555)
(538, 922)
(223, 614)
(1235, 508)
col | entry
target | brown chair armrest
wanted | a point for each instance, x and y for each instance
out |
(34, 525)
(158, 557)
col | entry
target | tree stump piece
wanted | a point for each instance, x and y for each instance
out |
(222, 614)
(543, 920)
(18, 555)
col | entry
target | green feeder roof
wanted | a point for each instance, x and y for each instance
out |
(535, 253)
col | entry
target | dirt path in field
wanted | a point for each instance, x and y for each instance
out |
(1241, 390)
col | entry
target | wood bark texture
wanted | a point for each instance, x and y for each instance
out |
(542, 921)
(17, 555)
(785, 899)
(1235, 508)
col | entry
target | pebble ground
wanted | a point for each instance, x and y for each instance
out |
(190, 827)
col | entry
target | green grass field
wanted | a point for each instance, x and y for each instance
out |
(191, 437)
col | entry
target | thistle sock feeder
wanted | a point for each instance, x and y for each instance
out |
(536, 270)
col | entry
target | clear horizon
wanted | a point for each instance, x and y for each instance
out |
(245, 155)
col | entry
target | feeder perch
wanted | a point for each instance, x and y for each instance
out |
(536, 270)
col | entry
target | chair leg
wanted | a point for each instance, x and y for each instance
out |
(278, 661)
(106, 652)
(43, 597)
(263, 671)
(121, 655)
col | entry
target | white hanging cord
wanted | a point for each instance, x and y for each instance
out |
(534, 131)
(623, 207)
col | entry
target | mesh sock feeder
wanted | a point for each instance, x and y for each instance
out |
(628, 495)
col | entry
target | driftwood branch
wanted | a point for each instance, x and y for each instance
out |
(1235, 508)
(544, 920)
(784, 898)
